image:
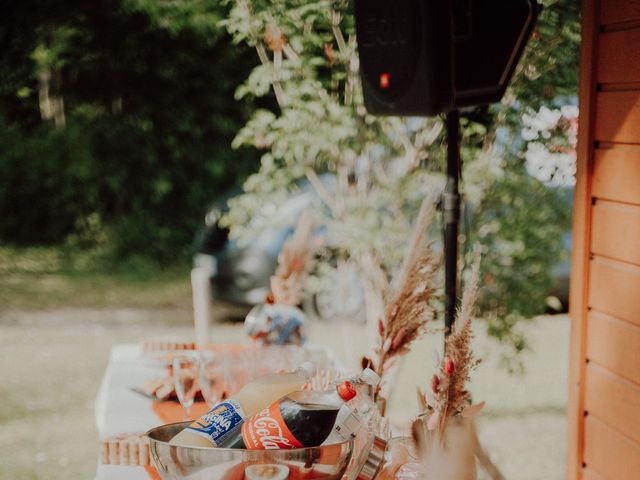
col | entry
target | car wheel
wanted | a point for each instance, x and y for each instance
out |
(340, 299)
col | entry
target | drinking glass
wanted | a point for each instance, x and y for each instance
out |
(211, 375)
(185, 379)
(238, 369)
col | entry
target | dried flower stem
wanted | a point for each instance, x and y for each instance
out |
(407, 305)
(295, 262)
(448, 385)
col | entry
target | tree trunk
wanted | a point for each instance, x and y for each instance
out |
(51, 104)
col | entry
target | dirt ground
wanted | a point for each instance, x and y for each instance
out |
(52, 364)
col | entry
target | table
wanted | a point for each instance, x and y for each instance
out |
(118, 409)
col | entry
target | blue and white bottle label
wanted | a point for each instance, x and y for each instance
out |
(220, 421)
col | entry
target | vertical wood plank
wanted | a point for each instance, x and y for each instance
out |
(618, 59)
(610, 453)
(618, 11)
(616, 173)
(581, 241)
(613, 400)
(589, 474)
(615, 345)
(618, 117)
(616, 231)
(614, 289)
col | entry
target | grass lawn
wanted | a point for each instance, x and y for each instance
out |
(51, 373)
(45, 279)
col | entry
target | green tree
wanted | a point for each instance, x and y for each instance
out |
(383, 167)
(117, 118)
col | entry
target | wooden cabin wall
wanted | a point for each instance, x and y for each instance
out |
(604, 392)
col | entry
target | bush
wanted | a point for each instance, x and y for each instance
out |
(149, 116)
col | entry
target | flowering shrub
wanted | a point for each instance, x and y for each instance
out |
(551, 137)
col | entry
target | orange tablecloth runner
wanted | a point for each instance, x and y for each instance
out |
(172, 412)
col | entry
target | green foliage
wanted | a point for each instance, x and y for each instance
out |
(141, 144)
(321, 128)
(550, 67)
(177, 17)
(520, 246)
(382, 167)
(43, 183)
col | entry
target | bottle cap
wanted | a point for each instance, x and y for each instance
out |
(309, 369)
(346, 391)
(370, 377)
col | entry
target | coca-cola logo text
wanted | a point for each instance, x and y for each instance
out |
(268, 431)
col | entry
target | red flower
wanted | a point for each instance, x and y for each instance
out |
(435, 384)
(449, 367)
(297, 265)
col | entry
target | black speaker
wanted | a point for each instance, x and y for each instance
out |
(489, 38)
(405, 56)
(425, 57)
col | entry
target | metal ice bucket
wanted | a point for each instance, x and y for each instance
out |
(327, 462)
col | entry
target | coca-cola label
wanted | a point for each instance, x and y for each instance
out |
(267, 430)
(219, 422)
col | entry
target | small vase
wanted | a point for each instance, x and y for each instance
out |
(451, 456)
(397, 457)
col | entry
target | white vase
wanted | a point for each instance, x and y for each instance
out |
(452, 455)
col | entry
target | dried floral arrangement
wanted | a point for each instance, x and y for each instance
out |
(295, 262)
(406, 303)
(444, 437)
(449, 395)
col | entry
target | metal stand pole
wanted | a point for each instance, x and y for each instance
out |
(451, 214)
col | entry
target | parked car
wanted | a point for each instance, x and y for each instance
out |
(240, 274)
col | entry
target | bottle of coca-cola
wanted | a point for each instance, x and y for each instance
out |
(300, 419)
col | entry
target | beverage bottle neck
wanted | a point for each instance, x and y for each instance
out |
(335, 397)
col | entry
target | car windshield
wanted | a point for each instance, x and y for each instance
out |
(283, 220)
(272, 240)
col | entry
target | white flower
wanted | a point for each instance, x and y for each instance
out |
(529, 134)
(569, 111)
(547, 118)
(553, 169)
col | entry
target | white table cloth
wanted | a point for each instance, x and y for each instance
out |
(120, 410)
